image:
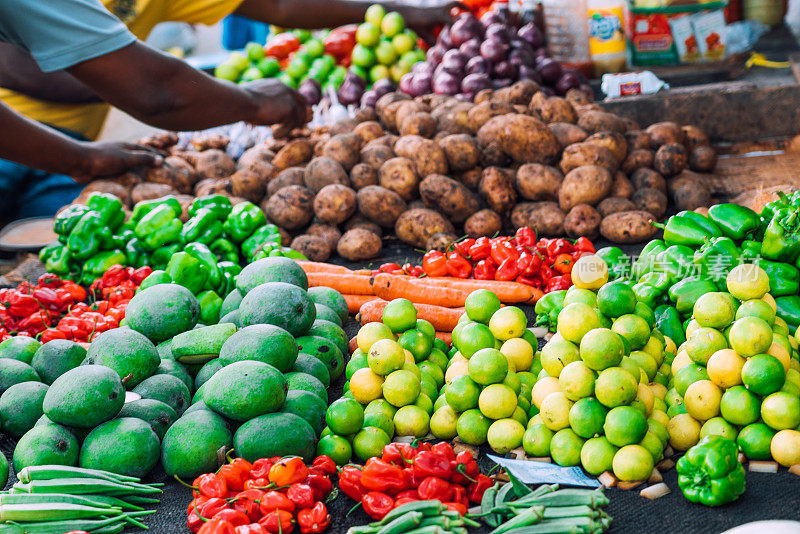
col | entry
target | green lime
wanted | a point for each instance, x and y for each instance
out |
(480, 305)
(426, 328)
(380, 406)
(488, 366)
(338, 448)
(400, 314)
(424, 402)
(536, 440)
(441, 345)
(401, 388)
(586, 417)
(497, 401)
(504, 435)
(781, 410)
(584, 296)
(658, 429)
(654, 446)
(601, 348)
(750, 336)
(443, 422)
(624, 425)
(688, 375)
(430, 369)
(646, 363)
(412, 421)
(616, 299)
(615, 387)
(577, 381)
(472, 427)
(646, 312)
(754, 441)
(473, 337)
(557, 353)
(756, 308)
(508, 322)
(370, 333)
(565, 447)
(718, 426)
(512, 380)
(417, 343)
(462, 393)
(386, 356)
(369, 442)
(357, 361)
(740, 406)
(597, 455)
(344, 416)
(575, 320)
(633, 328)
(763, 374)
(632, 462)
(714, 310)
(747, 281)
(380, 420)
(704, 342)
(428, 386)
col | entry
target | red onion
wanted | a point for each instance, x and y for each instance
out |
(434, 54)
(311, 91)
(505, 69)
(567, 81)
(444, 38)
(465, 27)
(472, 83)
(529, 73)
(477, 65)
(502, 82)
(498, 32)
(494, 51)
(383, 86)
(453, 62)
(470, 48)
(407, 84)
(445, 83)
(550, 70)
(532, 35)
(369, 99)
(492, 17)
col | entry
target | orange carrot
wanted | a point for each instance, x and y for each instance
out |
(320, 267)
(354, 302)
(447, 337)
(392, 286)
(538, 293)
(350, 284)
(443, 319)
(507, 292)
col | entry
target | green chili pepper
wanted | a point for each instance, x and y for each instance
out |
(788, 309)
(156, 277)
(204, 255)
(146, 206)
(158, 227)
(736, 222)
(137, 256)
(187, 271)
(686, 292)
(269, 233)
(686, 229)
(67, 218)
(784, 279)
(668, 322)
(219, 205)
(224, 250)
(782, 236)
(710, 473)
(245, 218)
(210, 304)
(56, 258)
(649, 294)
(203, 227)
(619, 263)
(88, 236)
(108, 206)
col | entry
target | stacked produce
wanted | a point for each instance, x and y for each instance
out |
(30, 309)
(419, 515)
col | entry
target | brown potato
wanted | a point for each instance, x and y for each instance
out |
(482, 112)
(416, 226)
(497, 189)
(149, 191)
(186, 203)
(611, 205)
(406, 109)
(335, 203)
(521, 92)
(470, 178)
(448, 196)
(421, 123)
(687, 177)
(386, 107)
(643, 177)
(613, 141)
(380, 205)
(522, 138)
(650, 200)
(427, 155)
(344, 148)
(387, 140)
(294, 153)
(440, 241)
(359, 244)
(544, 217)
(213, 187)
(703, 159)
(582, 220)
(670, 159)
(662, 133)
(258, 155)
(368, 131)
(324, 171)
(249, 183)
(453, 117)
(359, 221)
(637, 159)
(556, 109)
(312, 247)
(366, 115)
(622, 187)
(342, 126)
(638, 140)
(577, 96)
(328, 232)
(691, 196)
(171, 177)
(290, 176)
(538, 182)
(483, 95)
(291, 207)
(631, 125)
(131, 178)
(159, 140)
(400, 175)
(376, 155)
(588, 184)
(202, 142)
(628, 227)
(493, 156)
(581, 154)
(407, 145)
(598, 121)
(363, 175)
(483, 223)
(566, 133)
(214, 163)
(113, 188)
(461, 151)
(694, 137)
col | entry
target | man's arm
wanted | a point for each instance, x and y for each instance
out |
(29, 143)
(19, 72)
(165, 92)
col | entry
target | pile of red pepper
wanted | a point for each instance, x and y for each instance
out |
(268, 496)
(83, 322)
(415, 472)
(29, 310)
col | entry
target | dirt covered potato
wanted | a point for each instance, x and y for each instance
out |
(650, 200)
(461, 151)
(420, 123)
(588, 184)
(405, 110)
(628, 227)
(613, 141)
(427, 155)
(687, 177)
(376, 155)
(483, 223)
(581, 154)
(470, 178)
(359, 244)
(363, 175)
(637, 159)
(493, 156)
(670, 159)
(344, 148)
(380, 205)
(642, 178)
(368, 131)
(312, 247)
(440, 241)
(544, 217)
(566, 133)
(690, 196)
(694, 137)
(582, 220)
(452, 117)
(556, 109)
(287, 177)
(599, 121)
(448, 196)
(328, 232)
(335, 203)
(291, 207)
(416, 226)
(481, 113)
(497, 189)
(210, 186)
(622, 187)
(538, 182)
(214, 163)
(703, 159)
(400, 175)
(637, 140)
(258, 155)
(359, 221)
(521, 137)
(324, 171)
(149, 191)
(611, 205)
(249, 183)
(295, 153)
(662, 133)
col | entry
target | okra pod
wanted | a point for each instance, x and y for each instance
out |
(58, 527)
(52, 511)
(458, 530)
(427, 508)
(568, 497)
(488, 503)
(555, 512)
(402, 523)
(48, 498)
(427, 530)
(50, 472)
(528, 517)
(365, 529)
(81, 486)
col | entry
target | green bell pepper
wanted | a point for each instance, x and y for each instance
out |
(98, 264)
(56, 258)
(158, 227)
(788, 309)
(750, 249)
(187, 271)
(67, 218)
(686, 292)
(229, 271)
(121, 239)
(219, 205)
(224, 250)
(89, 236)
(146, 206)
(710, 472)
(782, 236)
(688, 228)
(156, 277)
(108, 206)
(784, 279)
(137, 256)
(676, 261)
(668, 322)
(160, 257)
(287, 252)
(619, 263)
(203, 227)
(245, 218)
(646, 261)
(269, 233)
(716, 258)
(206, 258)
(769, 209)
(548, 307)
(735, 221)
(264, 251)
(210, 304)
(229, 267)
(647, 293)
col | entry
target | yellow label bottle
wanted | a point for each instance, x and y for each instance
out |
(606, 20)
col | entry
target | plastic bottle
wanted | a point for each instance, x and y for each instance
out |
(606, 26)
(567, 32)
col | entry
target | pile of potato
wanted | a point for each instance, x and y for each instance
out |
(432, 168)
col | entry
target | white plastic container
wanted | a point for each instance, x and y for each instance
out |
(567, 31)
(606, 29)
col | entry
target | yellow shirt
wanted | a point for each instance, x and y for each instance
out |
(140, 16)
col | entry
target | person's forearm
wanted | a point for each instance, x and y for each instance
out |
(20, 73)
(164, 91)
(312, 14)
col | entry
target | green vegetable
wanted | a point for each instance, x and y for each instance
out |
(427, 508)
(67, 218)
(782, 238)
(89, 236)
(784, 279)
(689, 228)
(676, 261)
(146, 206)
(188, 271)
(548, 307)
(108, 206)
(528, 517)
(646, 262)
(224, 250)
(219, 205)
(159, 227)
(735, 221)
(203, 227)
(710, 473)
(269, 233)
(137, 256)
(668, 322)
(95, 266)
(56, 258)
(619, 263)
(203, 254)
(716, 258)
(401, 524)
(210, 304)
(686, 292)
(245, 218)
(788, 309)
(160, 257)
